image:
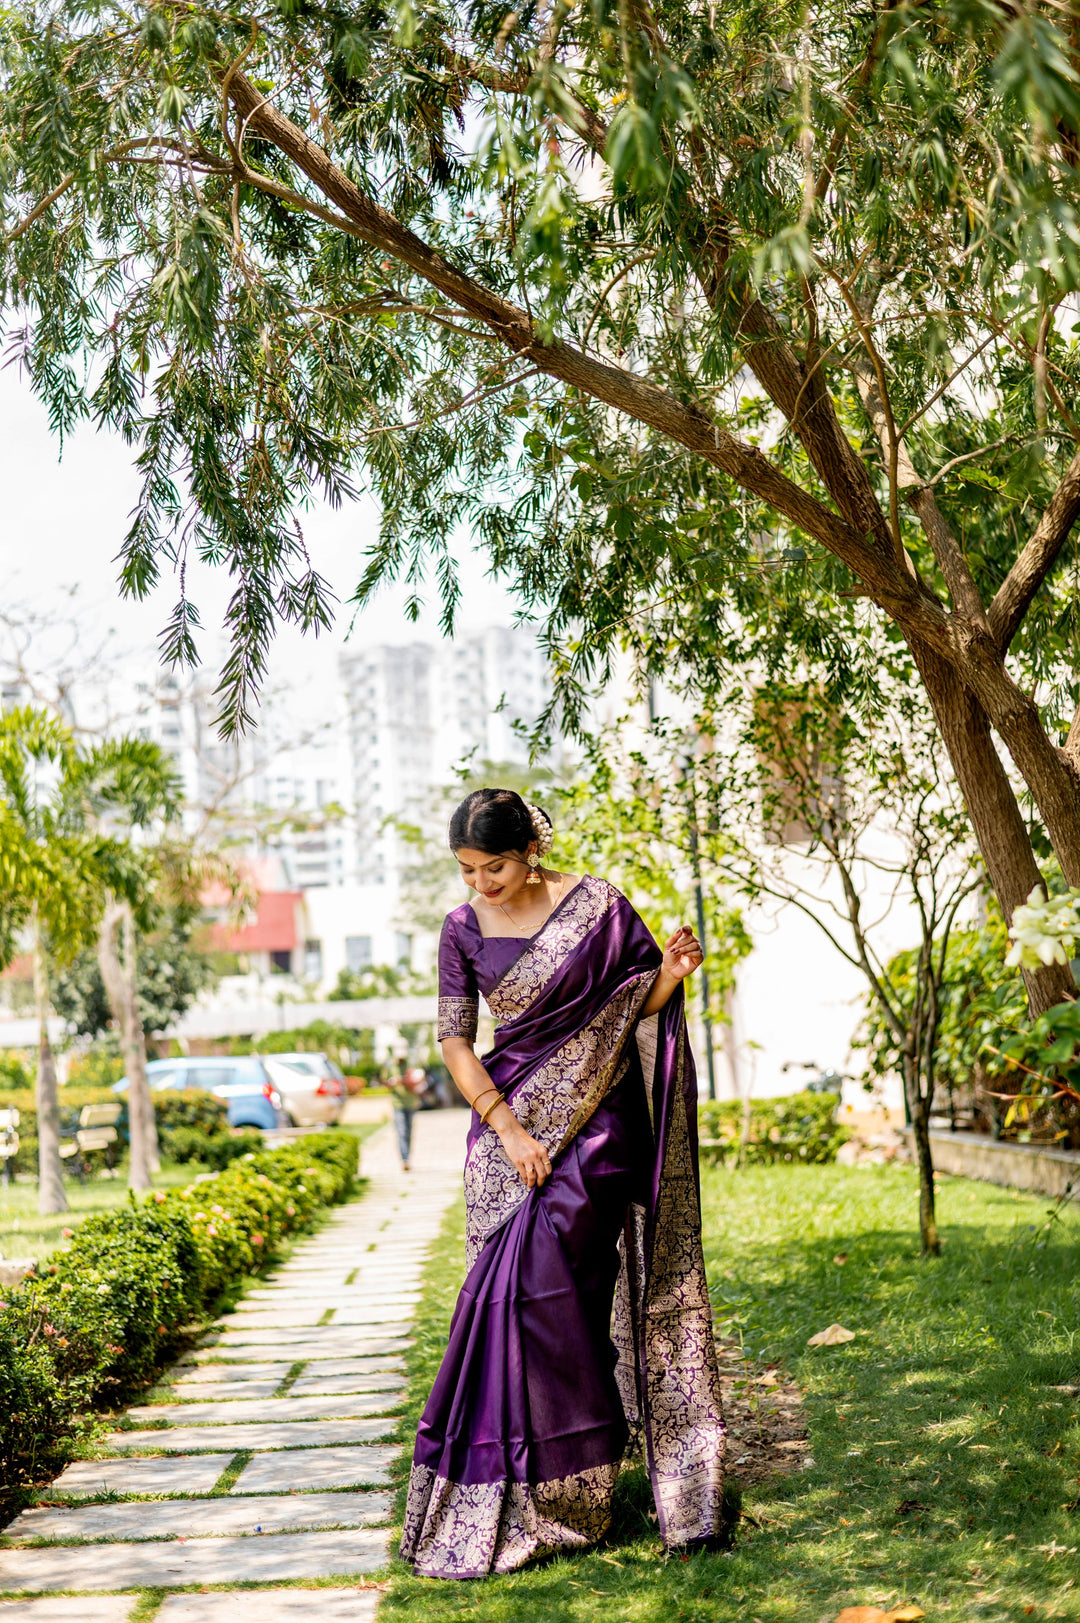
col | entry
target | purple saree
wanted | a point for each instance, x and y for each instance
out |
(540, 1389)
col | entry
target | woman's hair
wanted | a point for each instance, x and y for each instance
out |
(493, 821)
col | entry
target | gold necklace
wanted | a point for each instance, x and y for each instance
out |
(523, 929)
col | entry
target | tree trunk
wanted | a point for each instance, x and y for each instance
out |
(137, 1058)
(918, 1109)
(992, 807)
(51, 1196)
(119, 983)
(928, 1232)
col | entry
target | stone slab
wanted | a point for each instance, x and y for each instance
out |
(273, 1606)
(343, 1345)
(321, 1386)
(238, 1411)
(90, 1478)
(365, 1291)
(198, 1374)
(346, 1313)
(353, 1366)
(317, 1468)
(70, 1609)
(216, 1391)
(302, 1318)
(392, 1338)
(198, 1561)
(295, 1434)
(202, 1518)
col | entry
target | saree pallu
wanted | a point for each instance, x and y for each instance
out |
(584, 1319)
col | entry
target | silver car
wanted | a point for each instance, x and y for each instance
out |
(312, 1087)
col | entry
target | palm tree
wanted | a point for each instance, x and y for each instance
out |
(128, 785)
(50, 870)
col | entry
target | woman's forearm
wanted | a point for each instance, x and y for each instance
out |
(663, 986)
(470, 1077)
(526, 1153)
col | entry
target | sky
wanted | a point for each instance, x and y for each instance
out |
(64, 519)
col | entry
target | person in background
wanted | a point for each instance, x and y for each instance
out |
(406, 1091)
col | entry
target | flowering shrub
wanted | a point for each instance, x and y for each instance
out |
(101, 1316)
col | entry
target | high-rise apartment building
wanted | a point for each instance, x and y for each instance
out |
(416, 712)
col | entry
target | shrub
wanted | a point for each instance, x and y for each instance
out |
(16, 1071)
(190, 1107)
(101, 1316)
(98, 1066)
(795, 1127)
(217, 1150)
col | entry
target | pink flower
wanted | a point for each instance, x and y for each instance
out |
(256, 1239)
(61, 1341)
(65, 1234)
(50, 1329)
(161, 1330)
(158, 1196)
(290, 1211)
(211, 1229)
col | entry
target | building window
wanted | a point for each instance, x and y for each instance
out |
(403, 950)
(313, 960)
(281, 962)
(358, 954)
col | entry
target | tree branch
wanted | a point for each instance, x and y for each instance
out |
(689, 424)
(1014, 596)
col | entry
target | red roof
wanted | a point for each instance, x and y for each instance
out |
(273, 929)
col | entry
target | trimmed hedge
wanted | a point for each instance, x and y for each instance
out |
(103, 1315)
(795, 1127)
(215, 1150)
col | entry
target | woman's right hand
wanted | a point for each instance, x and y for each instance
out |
(529, 1157)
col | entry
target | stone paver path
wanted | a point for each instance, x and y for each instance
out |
(266, 1457)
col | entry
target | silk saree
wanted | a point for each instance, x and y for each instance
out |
(583, 1326)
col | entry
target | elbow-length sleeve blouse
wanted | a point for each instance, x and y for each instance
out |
(459, 996)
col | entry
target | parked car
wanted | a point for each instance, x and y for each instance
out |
(312, 1086)
(253, 1098)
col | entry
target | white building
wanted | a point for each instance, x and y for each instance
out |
(415, 713)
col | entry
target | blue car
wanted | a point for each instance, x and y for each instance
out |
(241, 1080)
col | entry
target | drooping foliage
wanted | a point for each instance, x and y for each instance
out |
(705, 322)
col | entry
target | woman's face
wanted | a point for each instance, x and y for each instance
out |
(497, 879)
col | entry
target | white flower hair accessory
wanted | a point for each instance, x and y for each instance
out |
(545, 837)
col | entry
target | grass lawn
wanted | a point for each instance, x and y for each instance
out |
(946, 1461)
(24, 1232)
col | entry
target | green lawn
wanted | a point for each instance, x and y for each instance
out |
(25, 1233)
(947, 1463)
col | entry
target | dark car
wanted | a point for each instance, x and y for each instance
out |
(241, 1080)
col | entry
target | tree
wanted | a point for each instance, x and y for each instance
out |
(127, 785)
(51, 867)
(844, 817)
(686, 262)
(173, 970)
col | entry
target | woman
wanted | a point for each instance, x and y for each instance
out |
(581, 1189)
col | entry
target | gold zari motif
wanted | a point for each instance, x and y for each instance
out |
(458, 1017)
(460, 1529)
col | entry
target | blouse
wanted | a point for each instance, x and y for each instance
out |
(469, 963)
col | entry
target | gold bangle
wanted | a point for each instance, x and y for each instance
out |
(481, 1094)
(499, 1100)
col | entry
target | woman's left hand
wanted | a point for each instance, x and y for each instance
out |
(682, 954)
